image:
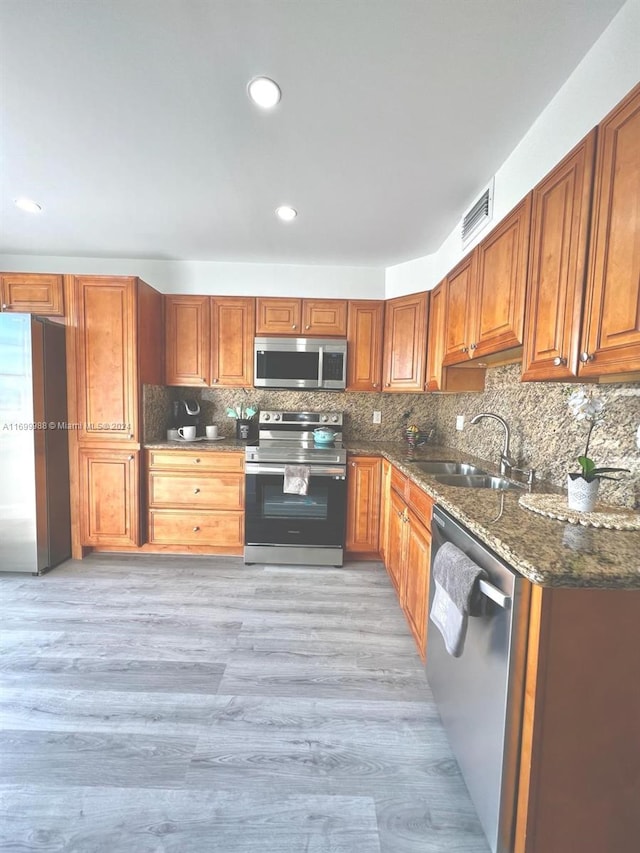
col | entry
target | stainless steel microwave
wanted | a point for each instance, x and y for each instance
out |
(300, 363)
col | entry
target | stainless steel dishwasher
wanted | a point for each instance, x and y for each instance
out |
(479, 695)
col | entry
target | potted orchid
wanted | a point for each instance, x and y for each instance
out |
(582, 485)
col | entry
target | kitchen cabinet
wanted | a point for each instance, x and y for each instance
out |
(385, 509)
(187, 340)
(409, 552)
(232, 334)
(363, 506)
(611, 326)
(557, 266)
(301, 317)
(32, 293)
(438, 377)
(486, 292)
(579, 772)
(405, 343)
(109, 506)
(365, 327)
(196, 500)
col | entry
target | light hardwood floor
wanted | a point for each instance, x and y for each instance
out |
(189, 705)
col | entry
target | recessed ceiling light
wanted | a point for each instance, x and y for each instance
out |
(264, 92)
(28, 205)
(286, 213)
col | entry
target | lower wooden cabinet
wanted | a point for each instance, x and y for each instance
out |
(196, 498)
(109, 497)
(408, 552)
(363, 505)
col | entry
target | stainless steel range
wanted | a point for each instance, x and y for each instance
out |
(282, 527)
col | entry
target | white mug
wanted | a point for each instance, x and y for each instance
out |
(212, 431)
(173, 435)
(187, 432)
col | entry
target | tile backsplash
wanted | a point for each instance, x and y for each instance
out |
(544, 435)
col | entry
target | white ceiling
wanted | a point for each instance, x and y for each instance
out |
(129, 121)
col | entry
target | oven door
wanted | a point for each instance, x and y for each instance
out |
(275, 518)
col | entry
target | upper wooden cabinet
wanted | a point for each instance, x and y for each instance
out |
(32, 294)
(301, 317)
(232, 334)
(611, 327)
(107, 358)
(365, 329)
(363, 505)
(557, 266)
(405, 343)
(486, 292)
(187, 340)
(439, 377)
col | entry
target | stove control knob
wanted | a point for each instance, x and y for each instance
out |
(324, 419)
(266, 416)
(276, 417)
(334, 419)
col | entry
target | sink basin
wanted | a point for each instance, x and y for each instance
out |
(444, 467)
(477, 482)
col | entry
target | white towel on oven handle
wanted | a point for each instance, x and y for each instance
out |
(296, 479)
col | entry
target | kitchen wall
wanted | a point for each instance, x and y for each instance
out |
(544, 434)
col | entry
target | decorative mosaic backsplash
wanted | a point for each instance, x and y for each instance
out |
(544, 435)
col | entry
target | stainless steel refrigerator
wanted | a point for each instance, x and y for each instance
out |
(35, 527)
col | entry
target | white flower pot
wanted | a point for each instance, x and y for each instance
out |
(582, 496)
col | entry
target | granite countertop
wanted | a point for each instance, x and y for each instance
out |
(546, 551)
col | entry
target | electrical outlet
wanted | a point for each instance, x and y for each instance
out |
(377, 417)
(459, 422)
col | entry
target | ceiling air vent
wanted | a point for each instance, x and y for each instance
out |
(478, 216)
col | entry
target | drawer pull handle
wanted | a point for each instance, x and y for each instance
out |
(196, 529)
(196, 461)
(196, 491)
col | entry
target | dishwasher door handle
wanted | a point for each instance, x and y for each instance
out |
(496, 595)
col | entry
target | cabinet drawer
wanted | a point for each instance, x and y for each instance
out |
(398, 481)
(181, 460)
(207, 490)
(185, 527)
(420, 503)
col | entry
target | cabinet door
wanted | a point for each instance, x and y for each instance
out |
(501, 284)
(364, 343)
(460, 310)
(557, 266)
(232, 334)
(107, 386)
(435, 337)
(363, 504)
(396, 541)
(32, 294)
(187, 348)
(109, 505)
(324, 317)
(611, 330)
(278, 316)
(416, 580)
(405, 343)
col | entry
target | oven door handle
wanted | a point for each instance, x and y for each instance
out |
(338, 472)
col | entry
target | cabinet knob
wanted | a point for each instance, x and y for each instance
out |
(387, 385)
(131, 457)
(585, 357)
(196, 491)
(293, 326)
(130, 435)
(214, 381)
(465, 349)
(473, 346)
(558, 361)
(375, 384)
(4, 306)
(307, 326)
(196, 461)
(196, 529)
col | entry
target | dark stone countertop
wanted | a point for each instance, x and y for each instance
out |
(546, 551)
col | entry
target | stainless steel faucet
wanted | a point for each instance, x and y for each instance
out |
(506, 462)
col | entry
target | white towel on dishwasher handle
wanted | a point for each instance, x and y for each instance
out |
(296, 479)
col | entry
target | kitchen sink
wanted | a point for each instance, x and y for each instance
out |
(446, 467)
(478, 482)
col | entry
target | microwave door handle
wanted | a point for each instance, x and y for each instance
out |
(320, 367)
